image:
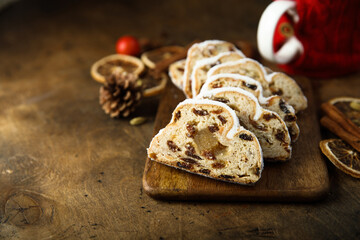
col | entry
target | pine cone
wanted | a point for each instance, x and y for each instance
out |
(120, 94)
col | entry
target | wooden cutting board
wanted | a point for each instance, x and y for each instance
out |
(303, 178)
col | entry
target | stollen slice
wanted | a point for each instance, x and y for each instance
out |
(286, 87)
(204, 137)
(246, 67)
(272, 103)
(272, 84)
(200, 51)
(176, 73)
(267, 126)
(201, 68)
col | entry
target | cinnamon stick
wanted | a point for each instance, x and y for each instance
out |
(335, 114)
(337, 129)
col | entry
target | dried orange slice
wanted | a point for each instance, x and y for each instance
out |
(348, 106)
(342, 155)
(153, 86)
(151, 58)
(116, 62)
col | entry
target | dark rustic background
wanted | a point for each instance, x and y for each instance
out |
(68, 171)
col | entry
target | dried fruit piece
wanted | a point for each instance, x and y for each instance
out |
(191, 151)
(246, 137)
(213, 128)
(342, 155)
(115, 63)
(218, 165)
(222, 119)
(184, 165)
(191, 130)
(177, 115)
(200, 112)
(172, 146)
(189, 160)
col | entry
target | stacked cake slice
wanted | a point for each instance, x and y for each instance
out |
(237, 113)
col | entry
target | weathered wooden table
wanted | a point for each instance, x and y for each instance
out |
(68, 171)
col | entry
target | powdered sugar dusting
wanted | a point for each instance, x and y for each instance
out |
(240, 61)
(208, 61)
(248, 80)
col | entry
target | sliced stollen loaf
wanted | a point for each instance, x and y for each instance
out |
(234, 80)
(272, 103)
(204, 137)
(176, 73)
(246, 67)
(199, 74)
(267, 126)
(200, 51)
(273, 84)
(286, 87)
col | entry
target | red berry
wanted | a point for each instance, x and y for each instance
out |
(128, 45)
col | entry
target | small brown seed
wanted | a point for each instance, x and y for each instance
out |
(137, 121)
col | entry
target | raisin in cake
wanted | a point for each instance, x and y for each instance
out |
(200, 51)
(199, 74)
(286, 87)
(268, 127)
(273, 84)
(272, 103)
(204, 137)
(176, 73)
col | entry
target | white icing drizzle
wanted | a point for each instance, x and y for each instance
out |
(234, 128)
(208, 61)
(258, 111)
(172, 77)
(249, 80)
(204, 44)
(270, 76)
(201, 46)
(240, 61)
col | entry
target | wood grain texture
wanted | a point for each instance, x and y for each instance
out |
(303, 178)
(67, 171)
